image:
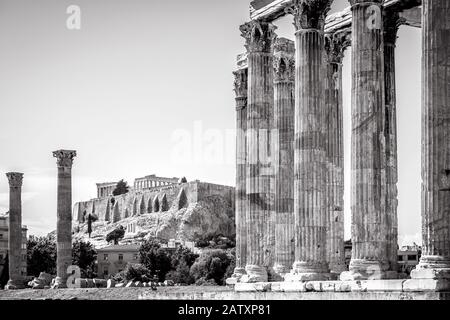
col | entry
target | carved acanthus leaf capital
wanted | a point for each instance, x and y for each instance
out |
(284, 68)
(15, 179)
(64, 157)
(241, 82)
(335, 45)
(259, 36)
(309, 14)
(391, 23)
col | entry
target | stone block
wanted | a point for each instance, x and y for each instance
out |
(288, 287)
(313, 286)
(169, 283)
(231, 281)
(328, 286)
(111, 283)
(120, 285)
(138, 284)
(130, 284)
(385, 285)
(426, 285)
(342, 286)
(428, 273)
(253, 287)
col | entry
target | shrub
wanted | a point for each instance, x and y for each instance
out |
(211, 265)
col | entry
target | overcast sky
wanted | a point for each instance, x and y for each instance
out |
(146, 87)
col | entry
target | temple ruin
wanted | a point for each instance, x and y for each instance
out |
(290, 174)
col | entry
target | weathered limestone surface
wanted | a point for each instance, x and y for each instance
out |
(64, 216)
(241, 89)
(15, 231)
(391, 22)
(259, 37)
(283, 151)
(335, 45)
(369, 252)
(310, 155)
(435, 260)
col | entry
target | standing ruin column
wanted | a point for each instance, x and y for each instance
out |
(309, 158)
(369, 245)
(64, 219)
(335, 45)
(259, 36)
(16, 280)
(435, 260)
(283, 159)
(391, 22)
(240, 89)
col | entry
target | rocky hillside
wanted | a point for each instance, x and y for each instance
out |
(210, 216)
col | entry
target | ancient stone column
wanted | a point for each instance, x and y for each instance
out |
(435, 260)
(283, 155)
(335, 45)
(16, 280)
(259, 36)
(240, 88)
(369, 228)
(64, 221)
(309, 157)
(391, 22)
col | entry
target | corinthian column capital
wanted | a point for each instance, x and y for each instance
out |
(284, 68)
(391, 23)
(15, 179)
(335, 45)
(259, 36)
(240, 83)
(309, 14)
(64, 157)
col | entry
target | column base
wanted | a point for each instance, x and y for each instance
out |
(367, 270)
(60, 283)
(14, 285)
(236, 276)
(307, 271)
(254, 274)
(432, 267)
(279, 272)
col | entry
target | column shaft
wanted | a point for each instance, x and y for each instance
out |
(64, 221)
(435, 260)
(241, 196)
(284, 85)
(15, 231)
(369, 228)
(259, 182)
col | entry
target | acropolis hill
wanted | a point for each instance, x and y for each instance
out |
(158, 207)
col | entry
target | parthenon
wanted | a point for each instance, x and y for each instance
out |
(289, 165)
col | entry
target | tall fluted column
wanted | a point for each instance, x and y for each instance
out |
(240, 88)
(64, 216)
(335, 45)
(392, 22)
(309, 157)
(369, 228)
(259, 37)
(283, 156)
(16, 280)
(435, 260)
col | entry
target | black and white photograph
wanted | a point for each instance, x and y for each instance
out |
(249, 152)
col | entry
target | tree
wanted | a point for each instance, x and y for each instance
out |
(84, 256)
(134, 272)
(211, 265)
(4, 273)
(116, 235)
(90, 219)
(121, 188)
(41, 255)
(155, 259)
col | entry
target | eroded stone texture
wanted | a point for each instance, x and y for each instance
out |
(310, 156)
(259, 37)
(335, 45)
(369, 252)
(241, 89)
(16, 280)
(392, 22)
(64, 216)
(283, 151)
(435, 260)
